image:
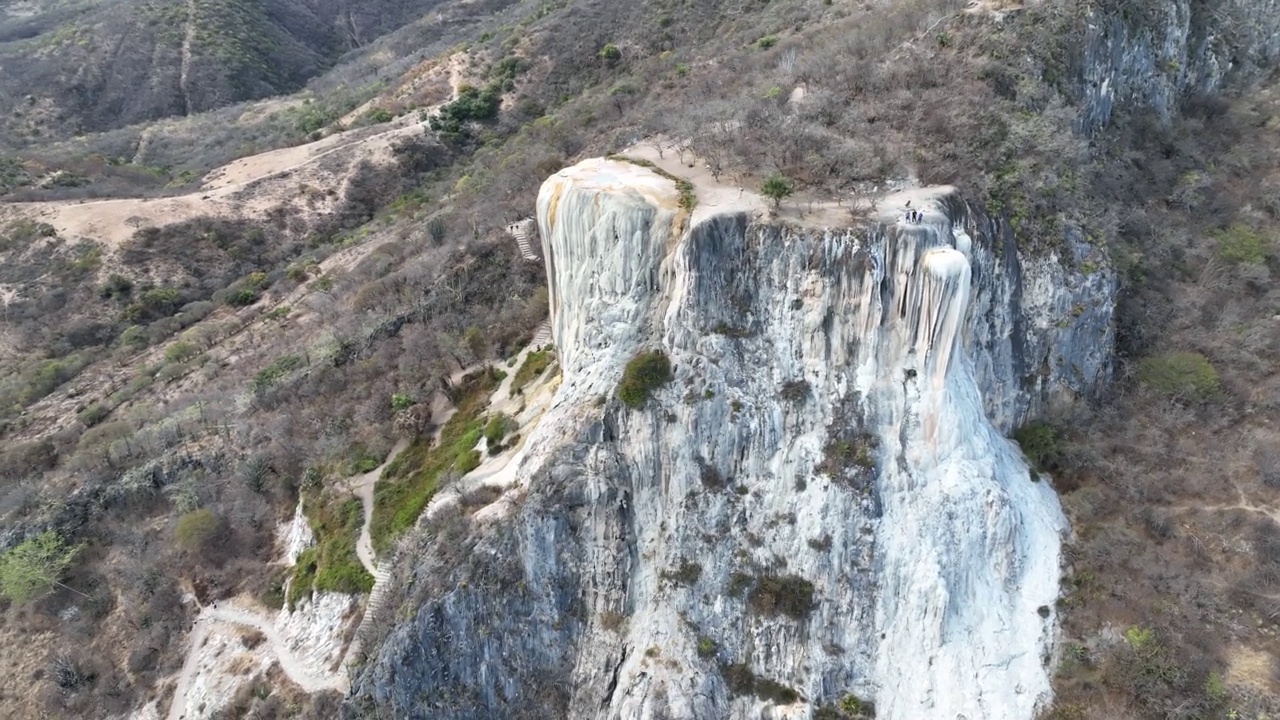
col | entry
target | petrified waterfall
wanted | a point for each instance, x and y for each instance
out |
(837, 418)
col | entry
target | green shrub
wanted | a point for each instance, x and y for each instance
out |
(706, 647)
(363, 465)
(93, 414)
(379, 115)
(852, 705)
(777, 188)
(338, 567)
(497, 428)
(332, 564)
(401, 401)
(472, 104)
(198, 530)
(1243, 244)
(242, 297)
(610, 53)
(644, 373)
(1215, 690)
(767, 42)
(304, 576)
(180, 351)
(1187, 375)
(30, 569)
(1039, 442)
(789, 595)
(532, 367)
(468, 461)
(160, 298)
(275, 371)
(152, 304)
(135, 336)
(116, 286)
(843, 454)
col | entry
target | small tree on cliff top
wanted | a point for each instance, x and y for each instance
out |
(777, 187)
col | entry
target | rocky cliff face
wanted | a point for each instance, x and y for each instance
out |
(822, 504)
(1154, 54)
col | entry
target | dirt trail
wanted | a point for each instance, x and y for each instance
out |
(247, 187)
(728, 194)
(277, 178)
(211, 616)
(363, 487)
(1242, 503)
(291, 665)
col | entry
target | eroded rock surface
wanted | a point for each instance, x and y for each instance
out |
(836, 424)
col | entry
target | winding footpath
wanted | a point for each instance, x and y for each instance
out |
(209, 617)
(212, 615)
(362, 486)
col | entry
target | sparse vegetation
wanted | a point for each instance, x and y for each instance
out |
(788, 595)
(686, 573)
(610, 53)
(795, 391)
(199, 531)
(1039, 442)
(32, 568)
(1186, 375)
(332, 564)
(844, 455)
(1243, 244)
(742, 681)
(777, 188)
(688, 195)
(645, 373)
(532, 367)
(495, 430)
(706, 647)
(410, 481)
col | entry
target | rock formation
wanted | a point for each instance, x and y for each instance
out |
(822, 504)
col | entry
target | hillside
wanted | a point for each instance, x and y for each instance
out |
(276, 374)
(71, 68)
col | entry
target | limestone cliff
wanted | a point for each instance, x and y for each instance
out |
(1157, 54)
(821, 504)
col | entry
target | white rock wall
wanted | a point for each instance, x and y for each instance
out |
(922, 343)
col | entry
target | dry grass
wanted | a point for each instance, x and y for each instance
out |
(1173, 496)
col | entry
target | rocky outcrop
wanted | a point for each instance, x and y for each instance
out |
(821, 504)
(1156, 54)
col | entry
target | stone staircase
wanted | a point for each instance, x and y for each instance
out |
(525, 236)
(543, 336)
(376, 598)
